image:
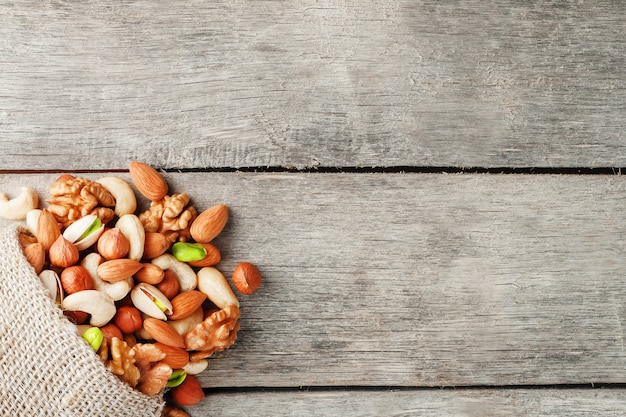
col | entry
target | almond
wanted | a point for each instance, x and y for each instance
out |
(176, 358)
(185, 303)
(189, 392)
(213, 256)
(63, 253)
(246, 278)
(148, 181)
(209, 223)
(118, 269)
(155, 245)
(48, 230)
(36, 256)
(150, 274)
(163, 332)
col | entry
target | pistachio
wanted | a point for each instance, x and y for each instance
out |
(52, 283)
(177, 378)
(149, 300)
(188, 252)
(94, 337)
(84, 232)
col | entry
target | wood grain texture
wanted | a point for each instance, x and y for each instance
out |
(464, 403)
(192, 83)
(419, 280)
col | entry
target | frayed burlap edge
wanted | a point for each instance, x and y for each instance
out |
(45, 368)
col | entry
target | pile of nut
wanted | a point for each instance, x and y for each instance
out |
(142, 288)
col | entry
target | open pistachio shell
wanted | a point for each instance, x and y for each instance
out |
(52, 282)
(75, 232)
(149, 300)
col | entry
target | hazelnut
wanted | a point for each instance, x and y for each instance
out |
(189, 392)
(128, 319)
(113, 244)
(76, 278)
(63, 253)
(110, 331)
(155, 245)
(169, 285)
(246, 277)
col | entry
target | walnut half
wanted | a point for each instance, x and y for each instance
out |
(216, 333)
(74, 198)
(171, 216)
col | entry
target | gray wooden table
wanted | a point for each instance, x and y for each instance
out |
(431, 189)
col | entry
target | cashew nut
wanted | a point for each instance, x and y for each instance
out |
(183, 326)
(132, 229)
(116, 290)
(196, 367)
(187, 279)
(213, 283)
(125, 200)
(97, 303)
(17, 208)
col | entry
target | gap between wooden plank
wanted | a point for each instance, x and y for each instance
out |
(387, 388)
(400, 169)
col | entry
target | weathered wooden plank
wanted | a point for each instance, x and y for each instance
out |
(91, 85)
(464, 403)
(419, 280)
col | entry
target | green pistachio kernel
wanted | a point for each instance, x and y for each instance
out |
(159, 304)
(94, 337)
(177, 378)
(94, 226)
(188, 252)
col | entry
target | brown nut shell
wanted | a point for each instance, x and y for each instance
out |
(128, 319)
(189, 392)
(63, 253)
(169, 286)
(110, 331)
(113, 244)
(156, 244)
(36, 256)
(76, 278)
(246, 278)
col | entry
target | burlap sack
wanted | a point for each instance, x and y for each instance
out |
(45, 368)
